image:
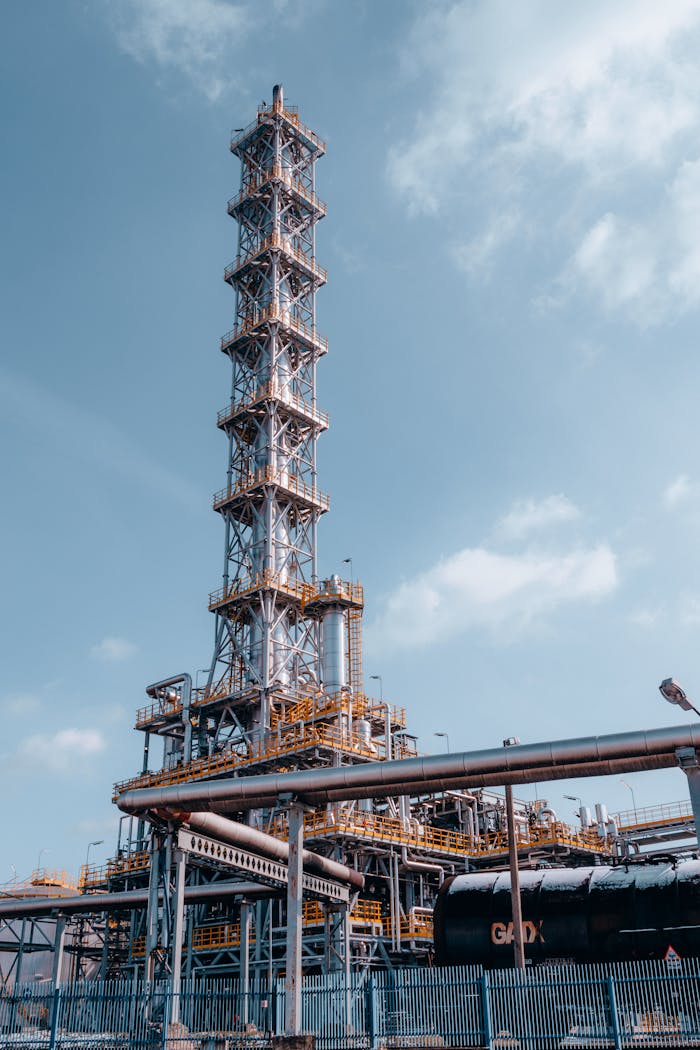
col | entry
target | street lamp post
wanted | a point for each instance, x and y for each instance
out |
(447, 740)
(674, 692)
(44, 849)
(634, 800)
(97, 842)
(688, 760)
(516, 902)
(387, 717)
(575, 798)
(348, 561)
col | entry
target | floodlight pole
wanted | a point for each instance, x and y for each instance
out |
(516, 902)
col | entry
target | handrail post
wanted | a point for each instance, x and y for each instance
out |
(485, 988)
(371, 1013)
(615, 1020)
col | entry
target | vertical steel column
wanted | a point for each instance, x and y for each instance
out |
(152, 913)
(58, 948)
(59, 944)
(178, 927)
(688, 761)
(292, 980)
(245, 960)
(518, 947)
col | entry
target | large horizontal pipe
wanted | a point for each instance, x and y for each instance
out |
(236, 834)
(522, 764)
(101, 902)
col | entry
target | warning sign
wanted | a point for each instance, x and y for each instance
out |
(672, 958)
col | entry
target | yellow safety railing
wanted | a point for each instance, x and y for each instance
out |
(342, 591)
(220, 935)
(411, 927)
(543, 834)
(288, 742)
(289, 482)
(272, 312)
(289, 113)
(276, 240)
(370, 826)
(276, 171)
(241, 587)
(363, 913)
(268, 390)
(51, 883)
(153, 712)
(93, 876)
(654, 816)
(423, 838)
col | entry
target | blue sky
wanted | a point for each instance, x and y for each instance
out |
(514, 278)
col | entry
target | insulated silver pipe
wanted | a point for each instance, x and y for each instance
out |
(521, 764)
(101, 902)
(236, 834)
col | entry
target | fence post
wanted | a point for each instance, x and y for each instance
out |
(371, 1013)
(486, 1008)
(55, 1010)
(612, 999)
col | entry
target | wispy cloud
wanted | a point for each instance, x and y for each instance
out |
(64, 751)
(528, 516)
(677, 492)
(516, 95)
(194, 37)
(20, 704)
(477, 587)
(113, 650)
(92, 438)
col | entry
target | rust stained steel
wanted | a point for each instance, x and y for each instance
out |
(493, 767)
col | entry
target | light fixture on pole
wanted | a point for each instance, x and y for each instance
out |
(378, 678)
(44, 849)
(634, 800)
(674, 692)
(447, 740)
(575, 798)
(97, 842)
(348, 561)
(516, 902)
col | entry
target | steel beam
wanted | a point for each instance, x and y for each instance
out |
(292, 979)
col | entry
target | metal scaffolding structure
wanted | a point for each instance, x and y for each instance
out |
(284, 689)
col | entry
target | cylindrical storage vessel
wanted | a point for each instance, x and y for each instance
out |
(334, 661)
(584, 914)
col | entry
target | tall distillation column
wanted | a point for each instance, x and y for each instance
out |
(266, 649)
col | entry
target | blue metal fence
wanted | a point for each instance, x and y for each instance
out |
(624, 1006)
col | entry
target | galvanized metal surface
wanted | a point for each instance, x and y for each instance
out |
(624, 1006)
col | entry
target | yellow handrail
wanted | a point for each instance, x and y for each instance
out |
(286, 480)
(273, 313)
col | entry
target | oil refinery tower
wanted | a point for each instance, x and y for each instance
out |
(285, 689)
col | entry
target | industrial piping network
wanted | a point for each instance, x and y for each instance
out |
(522, 764)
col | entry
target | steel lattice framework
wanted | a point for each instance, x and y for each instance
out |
(266, 649)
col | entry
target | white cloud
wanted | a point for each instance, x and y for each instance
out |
(194, 37)
(690, 610)
(61, 752)
(527, 516)
(645, 618)
(113, 650)
(677, 492)
(21, 704)
(616, 261)
(476, 256)
(479, 588)
(607, 95)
